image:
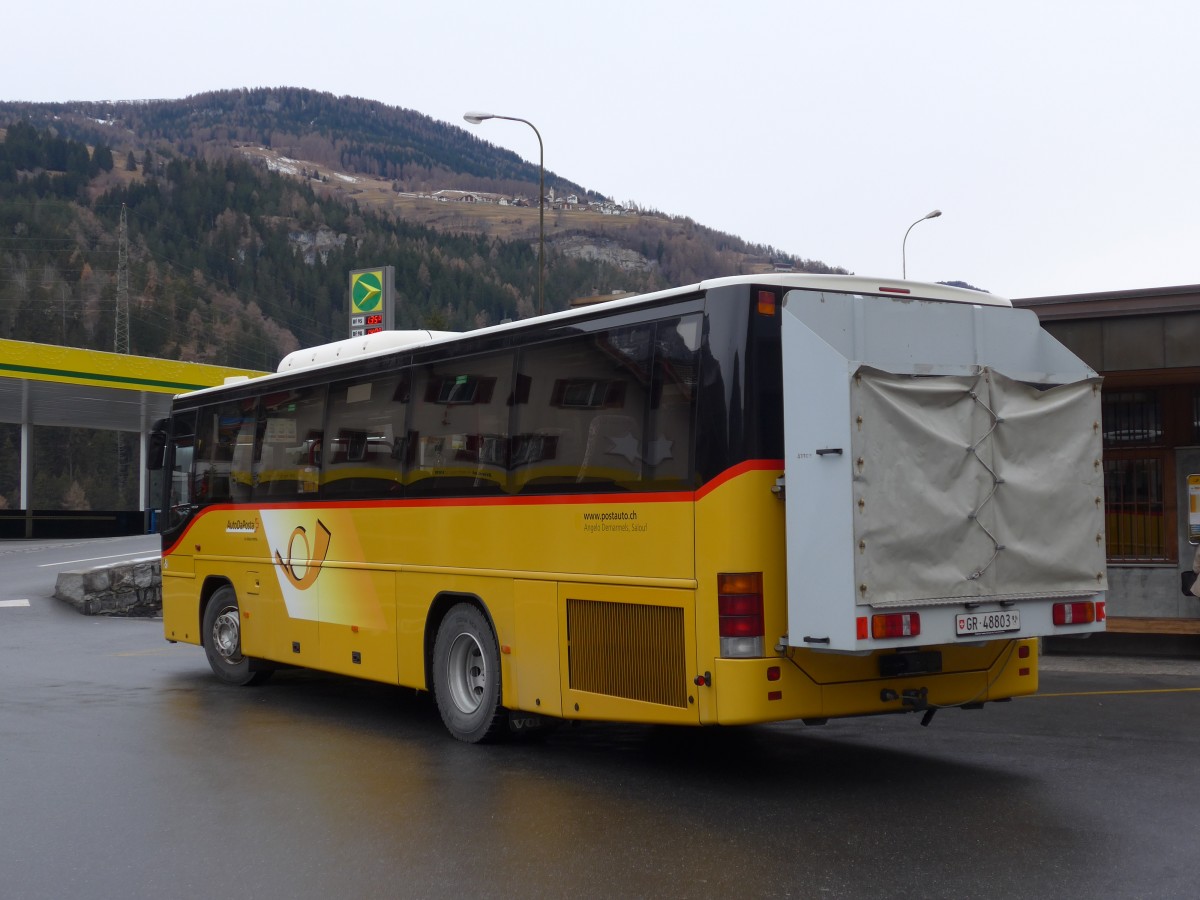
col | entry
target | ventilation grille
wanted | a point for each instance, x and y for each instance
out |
(627, 650)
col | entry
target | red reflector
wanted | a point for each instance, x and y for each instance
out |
(1023, 652)
(862, 633)
(775, 695)
(742, 626)
(766, 303)
(892, 290)
(739, 604)
(773, 673)
(1022, 671)
(1101, 611)
(1081, 613)
(894, 625)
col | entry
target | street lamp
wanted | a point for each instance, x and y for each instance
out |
(475, 118)
(903, 247)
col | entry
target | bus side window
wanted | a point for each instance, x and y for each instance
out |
(364, 454)
(670, 430)
(287, 461)
(460, 416)
(224, 450)
(581, 425)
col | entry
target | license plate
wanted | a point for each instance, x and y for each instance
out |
(980, 623)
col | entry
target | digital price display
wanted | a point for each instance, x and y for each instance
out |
(376, 319)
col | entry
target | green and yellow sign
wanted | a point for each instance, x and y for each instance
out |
(372, 300)
(366, 291)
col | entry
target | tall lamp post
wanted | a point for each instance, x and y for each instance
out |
(475, 118)
(904, 244)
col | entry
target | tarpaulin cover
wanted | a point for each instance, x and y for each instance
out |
(975, 486)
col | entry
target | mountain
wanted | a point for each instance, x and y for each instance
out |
(246, 210)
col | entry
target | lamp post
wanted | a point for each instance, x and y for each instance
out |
(903, 245)
(475, 118)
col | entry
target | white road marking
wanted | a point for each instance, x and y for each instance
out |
(14, 602)
(71, 562)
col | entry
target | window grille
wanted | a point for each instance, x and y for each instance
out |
(1134, 478)
(1132, 418)
(1134, 510)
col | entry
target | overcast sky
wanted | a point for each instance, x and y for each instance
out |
(1060, 138)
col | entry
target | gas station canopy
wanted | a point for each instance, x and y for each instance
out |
(41, 384)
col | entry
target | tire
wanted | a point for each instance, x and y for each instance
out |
(222, 638)
(466, 676)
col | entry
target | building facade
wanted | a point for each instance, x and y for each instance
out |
(1146, 344)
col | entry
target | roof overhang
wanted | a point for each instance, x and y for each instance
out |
(1109, 304)
(42, 384)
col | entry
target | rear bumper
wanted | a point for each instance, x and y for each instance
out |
(781, 688)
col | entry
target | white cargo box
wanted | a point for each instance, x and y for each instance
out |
(943, 458)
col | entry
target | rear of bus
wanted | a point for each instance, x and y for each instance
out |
(905, 494)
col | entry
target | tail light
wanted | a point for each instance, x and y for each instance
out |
(1081, 613)
(896, 625)
(740, 614)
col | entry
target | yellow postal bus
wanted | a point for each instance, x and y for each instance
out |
(747, 500)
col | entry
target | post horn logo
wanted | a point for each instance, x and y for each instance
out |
(303, 572)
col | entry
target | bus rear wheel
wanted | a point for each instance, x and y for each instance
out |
(222, 637)
(466, 676)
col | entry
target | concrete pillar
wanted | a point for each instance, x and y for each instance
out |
(26, 459)
(26, 484)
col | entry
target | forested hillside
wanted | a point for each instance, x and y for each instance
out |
(234, 262)
(344, 133)
(217, 265)
(236, 256)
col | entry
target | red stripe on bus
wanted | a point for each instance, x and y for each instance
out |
(752, 465)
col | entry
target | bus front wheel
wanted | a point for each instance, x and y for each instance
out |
(222, 636)
(466, 675)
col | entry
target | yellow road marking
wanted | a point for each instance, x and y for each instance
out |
(1191, 690)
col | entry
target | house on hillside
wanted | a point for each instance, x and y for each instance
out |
(470, 197)
(606, 207)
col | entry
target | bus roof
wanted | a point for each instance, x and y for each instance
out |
(864, 284)
(384, 342)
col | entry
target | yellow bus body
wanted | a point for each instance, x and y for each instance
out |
(638, 574)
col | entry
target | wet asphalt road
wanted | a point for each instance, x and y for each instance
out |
(126, 770)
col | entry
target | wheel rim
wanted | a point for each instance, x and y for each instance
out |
(227, 636)
(466, 673)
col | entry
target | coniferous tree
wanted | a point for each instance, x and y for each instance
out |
(102, 159)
